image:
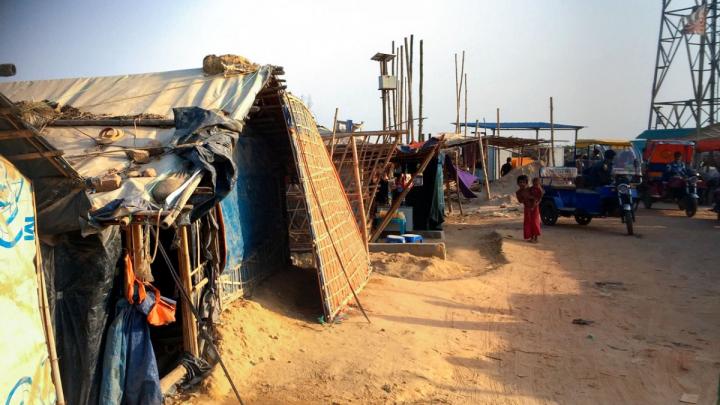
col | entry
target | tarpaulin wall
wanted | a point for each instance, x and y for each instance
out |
(26, 367)
(80, 275)
(256, 232)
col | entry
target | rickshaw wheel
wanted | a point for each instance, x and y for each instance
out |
(582, 219)
(691, 206)
(629, 222)
(548, 213)
(647, 201)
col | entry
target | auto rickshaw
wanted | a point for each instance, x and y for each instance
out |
(659, 186)
(569, 193)
(712, 147)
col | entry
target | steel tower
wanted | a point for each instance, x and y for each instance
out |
(690, 25)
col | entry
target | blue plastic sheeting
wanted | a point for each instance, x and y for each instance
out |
(520, 125)
(677, 133)
(254, 214)
(130, 374)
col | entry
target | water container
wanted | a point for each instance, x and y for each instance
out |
(412, 238)
(394, 239)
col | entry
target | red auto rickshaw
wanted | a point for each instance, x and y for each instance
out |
(658, 185)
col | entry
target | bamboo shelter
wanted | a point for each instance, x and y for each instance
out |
(178, 181)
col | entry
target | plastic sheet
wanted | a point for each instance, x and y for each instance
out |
(81, 274)
(130, 373)
(213, 136)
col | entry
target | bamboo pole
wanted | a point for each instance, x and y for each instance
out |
(457, 179)
(334, 130)
(421, 136)
(401, 103)
(458, 90)
(408, 64)
(497, 150)
(393, 94)
(190, 331)
(360, 193)
(484, 161)
(552, 135)
(466, 106)
(47, 321)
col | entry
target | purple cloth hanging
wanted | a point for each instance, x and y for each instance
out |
(466, 179)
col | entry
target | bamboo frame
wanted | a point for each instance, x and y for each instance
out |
(338, 246)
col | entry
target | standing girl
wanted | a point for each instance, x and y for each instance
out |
(530, 200)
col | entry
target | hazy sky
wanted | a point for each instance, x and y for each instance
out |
(595, 58)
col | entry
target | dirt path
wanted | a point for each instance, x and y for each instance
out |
(504, 335)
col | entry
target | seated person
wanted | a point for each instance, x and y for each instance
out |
(676, 168)
(600, 173)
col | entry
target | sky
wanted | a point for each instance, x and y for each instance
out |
(595, 58)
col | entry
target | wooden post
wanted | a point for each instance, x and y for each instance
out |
(47, 318)
(360, 193)
(458, 90)
(484, 162)
(497, 150)
(552, 134)
(396, 203)
(401, 102)
(334, 129)
(457, 105)
(420, 93)
(466, 86)
(393, 103)
(190, 331)
(408, 65)
(457, 179)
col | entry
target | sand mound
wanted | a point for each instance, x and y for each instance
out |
(407, 266)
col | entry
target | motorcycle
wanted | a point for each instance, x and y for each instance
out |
(685, 193)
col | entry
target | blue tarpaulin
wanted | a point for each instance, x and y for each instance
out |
(130, 374)
(254, 216)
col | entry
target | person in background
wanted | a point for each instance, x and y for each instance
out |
(677, 167)
(506, 168)
(531, 209)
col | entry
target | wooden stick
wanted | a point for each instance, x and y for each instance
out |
(396, 203)
(393, 118)
(190, 331)
(457, 179)
(136, 234)
(497, 149)
(334, 129)
(408, 63)
(421, 136)
(401, 103)
(552, 135)
(484, 165)
(458, 91)
(359, 185)
(47, 322)
(466, 107)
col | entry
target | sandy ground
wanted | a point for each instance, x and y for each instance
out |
(502, 334)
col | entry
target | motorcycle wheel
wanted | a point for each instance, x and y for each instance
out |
(582, 219)
(548, 213)
(628, 219)
(691, 206)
